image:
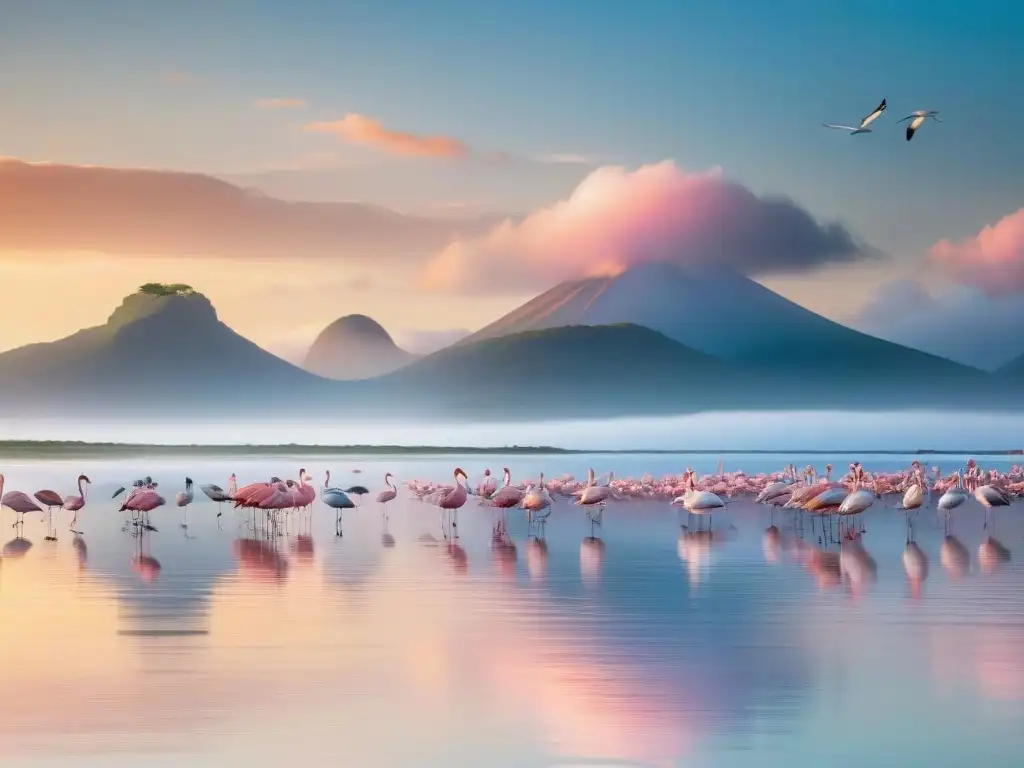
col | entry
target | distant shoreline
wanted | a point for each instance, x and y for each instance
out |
(21, 449)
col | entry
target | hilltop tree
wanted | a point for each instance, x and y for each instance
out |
(166, 289)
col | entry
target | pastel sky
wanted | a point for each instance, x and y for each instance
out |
(458, 107)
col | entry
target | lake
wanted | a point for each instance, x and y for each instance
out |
(633, 644)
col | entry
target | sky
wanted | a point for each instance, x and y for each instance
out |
(463, 109)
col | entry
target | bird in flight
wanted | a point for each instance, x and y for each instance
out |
(863, 127)
(917, 120)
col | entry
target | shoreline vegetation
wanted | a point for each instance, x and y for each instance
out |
(28, 449)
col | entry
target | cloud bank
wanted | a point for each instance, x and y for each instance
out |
(365, 131)
(963, 323)
(616, 218)
(133, 212)
(993, 259)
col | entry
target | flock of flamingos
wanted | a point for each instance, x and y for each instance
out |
(847, 496)
(822, 499)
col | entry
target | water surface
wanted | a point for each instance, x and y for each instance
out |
(636, 643)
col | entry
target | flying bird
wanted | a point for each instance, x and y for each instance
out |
(917, 120)
(863, 127)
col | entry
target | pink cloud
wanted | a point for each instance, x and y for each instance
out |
(360, 129)
(616, 218)
(993, 259)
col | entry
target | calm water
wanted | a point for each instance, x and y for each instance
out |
(641, 648)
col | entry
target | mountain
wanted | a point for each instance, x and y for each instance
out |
(164, 354)
(355, 347)
(628, 369)
(131, 211)
(725, 314)
(1013, 369)
(568, 371)
(155, 352)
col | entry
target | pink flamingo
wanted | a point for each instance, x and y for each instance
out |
(141, 503)
(49, 499)
(307, 492)
(389, 495)
(505, 498)
(19, 502)
(454, 500)
(487, 486)
(75, 503)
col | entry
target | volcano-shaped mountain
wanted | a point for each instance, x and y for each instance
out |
(722, 313)
(155, 352)
(355, 347)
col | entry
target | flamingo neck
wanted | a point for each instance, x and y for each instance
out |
(81, 490)
(391, 484)
(327, 479)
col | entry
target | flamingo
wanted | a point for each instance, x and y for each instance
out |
(989, 496)
(49, 499)
(338, 500)
(18, 501)
(506, 497)
(75, 503)
(697, 502)
(183, 499)
(953, 497)
(454, 500)
(487, 486)
(143, 501)
(536, 500)
(389, 495)
(307, 493)
(219, 495)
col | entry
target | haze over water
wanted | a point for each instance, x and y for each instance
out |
(780, 430)
(647, 647)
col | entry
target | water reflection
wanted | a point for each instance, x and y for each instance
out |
(591, 559)
(504, 554)
(992, 555)
(17, 547)
(915, 563)
(857, 565)
(537, 558)
(81, 550)
(771, 545)
(954, 557)
(237, 655)
(260, 559)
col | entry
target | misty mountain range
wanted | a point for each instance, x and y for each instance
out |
(657, 339)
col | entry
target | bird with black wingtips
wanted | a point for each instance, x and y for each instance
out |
(863, 127)
(917, 120)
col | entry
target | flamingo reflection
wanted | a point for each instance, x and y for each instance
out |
(771, 543)
(143, 563)
(992, 555)
(303, 548)
(591, 559)
(856, 565)
(915, 562)
(504, 554)
(954, 557)
(260, 559)
(81, 551)
(17, 547)
(537, 558)
(694, 549)
(458, 556)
